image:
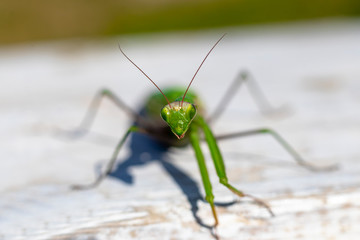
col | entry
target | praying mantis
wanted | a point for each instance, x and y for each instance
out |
(175, 117)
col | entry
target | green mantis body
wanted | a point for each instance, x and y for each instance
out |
(175, 117)
(194, 125)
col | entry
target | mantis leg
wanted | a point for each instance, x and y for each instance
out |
(111, 163)
(296, 156)
(90, 115)
(255, 91)
(195, 142)
(220, 166)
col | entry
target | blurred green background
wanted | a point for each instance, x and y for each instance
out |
(23, 21)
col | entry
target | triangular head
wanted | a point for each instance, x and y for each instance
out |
(178, 116)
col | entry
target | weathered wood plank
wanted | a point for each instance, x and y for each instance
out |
(314, 69)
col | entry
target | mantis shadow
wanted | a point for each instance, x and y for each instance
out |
(141, 144)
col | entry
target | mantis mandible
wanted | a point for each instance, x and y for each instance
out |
(174, 117)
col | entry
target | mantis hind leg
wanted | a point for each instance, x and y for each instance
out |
(88, 120)
(296, 156)
(111, 163)
(257, 94)
(91, 113)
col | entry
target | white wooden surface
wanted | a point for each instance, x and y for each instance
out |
(313, 68)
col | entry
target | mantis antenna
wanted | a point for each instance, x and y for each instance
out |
(200, 67)
(145, 75)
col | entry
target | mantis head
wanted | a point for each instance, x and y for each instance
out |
(178, 116)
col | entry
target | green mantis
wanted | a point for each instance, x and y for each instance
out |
(175, 117)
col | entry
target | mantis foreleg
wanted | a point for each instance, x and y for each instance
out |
(218, 162)
(195, 142)
(220, 166)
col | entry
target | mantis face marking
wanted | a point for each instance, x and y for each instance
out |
(178, 116)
